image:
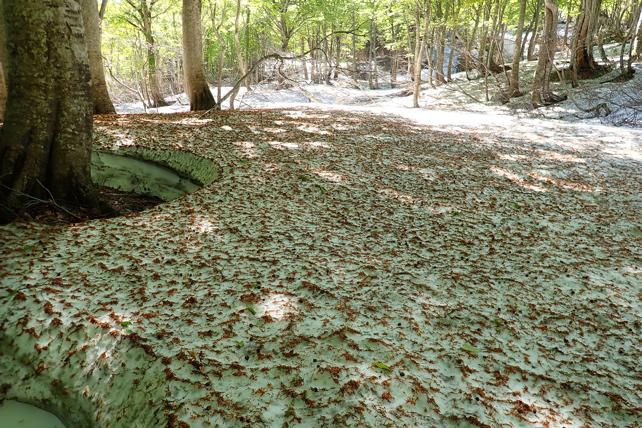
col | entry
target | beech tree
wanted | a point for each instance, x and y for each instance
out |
(200, 96)
(585, 30)
(45, 144)
(99, 93)
(3, 93)
(541, 93)
(3, 61)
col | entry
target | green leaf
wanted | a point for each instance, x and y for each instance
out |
(251, 309)
(125, 324)
(382, 366)
(240, 344)
(470, 349)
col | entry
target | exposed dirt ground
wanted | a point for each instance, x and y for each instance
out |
(346, 270)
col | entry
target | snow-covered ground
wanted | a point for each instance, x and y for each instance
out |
(14, 414)
(462, 105)
(345, 270)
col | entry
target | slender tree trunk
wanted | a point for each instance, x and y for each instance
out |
(354, 46)
(439, 61)
(196, 87)
(637, 44)
(99, 93)
(237, 45)
(337, 55)
(568, 23)
(429, 36)
(45, 146)
(517, 55)
(155, 97)
(542, 93)
(419, 48)
(221, 48)
(304, 62)
(525, 38)
(451, 55)
(372, 55)
(531, 45)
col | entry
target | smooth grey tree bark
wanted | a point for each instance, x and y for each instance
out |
(99, 93)
(196, 87)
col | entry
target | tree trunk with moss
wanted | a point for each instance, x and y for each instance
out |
(99, 93)
(45, 145)
(196, 87)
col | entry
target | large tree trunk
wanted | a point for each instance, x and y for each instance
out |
(3, 63)
(200, 97)
(99, 93)
(517, 55)
(3, 93)
(542, 93)
(45, 146)
(587, 25)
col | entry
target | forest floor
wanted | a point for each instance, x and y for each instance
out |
(346, 269)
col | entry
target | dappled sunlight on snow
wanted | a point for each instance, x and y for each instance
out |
(561, 183)
(279, 306)
(312, 129)
(624, 150)
(99, 350)
(271, 167)
(316, 144)
(512, 157)
(562, 157)
(330, 176)
(194, 121)
(400, 196)
(296, 114)
(248, 148)
(284, 146)
(203, 225)
(516, 179)
(428, 174)
(121, 139)
(383, 299)
(404, 167)
(274, 130)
